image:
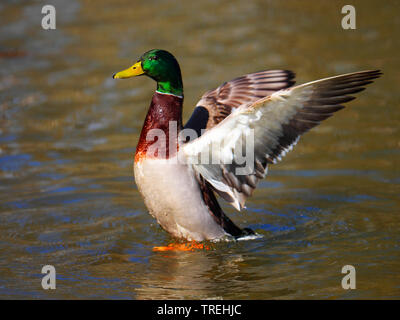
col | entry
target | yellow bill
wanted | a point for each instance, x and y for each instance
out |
(135, 70)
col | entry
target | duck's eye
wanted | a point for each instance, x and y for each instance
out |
(153, 58)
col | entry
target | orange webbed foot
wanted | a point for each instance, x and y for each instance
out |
(188, 246)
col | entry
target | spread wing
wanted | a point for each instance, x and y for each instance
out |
(234, 155)
(215, 105)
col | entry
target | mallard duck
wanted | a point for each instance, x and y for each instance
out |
(261, 110)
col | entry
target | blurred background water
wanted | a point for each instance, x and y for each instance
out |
(68, 134)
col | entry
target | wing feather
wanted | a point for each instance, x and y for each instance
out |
(273, 125)
(219, 103)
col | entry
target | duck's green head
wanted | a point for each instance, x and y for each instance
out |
(159, 65)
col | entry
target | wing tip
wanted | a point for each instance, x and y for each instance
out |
(366, 74)
(373, 73)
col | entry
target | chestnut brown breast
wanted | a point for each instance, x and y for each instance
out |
(161, 127)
